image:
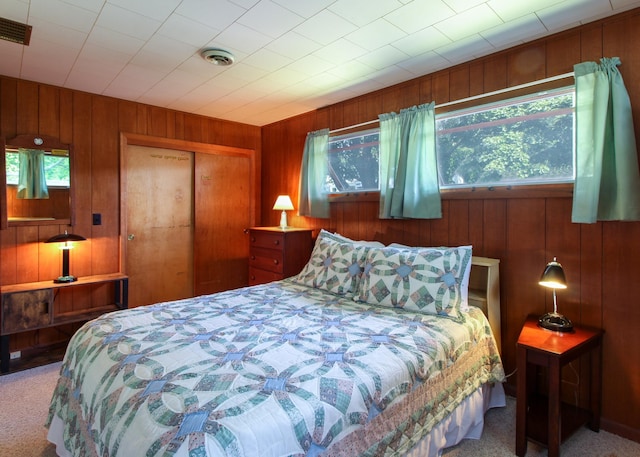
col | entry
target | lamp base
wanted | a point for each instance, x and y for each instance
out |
(556, 322)
(63, 279)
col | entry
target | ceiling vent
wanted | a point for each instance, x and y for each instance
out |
(15, 32)
(217, 56)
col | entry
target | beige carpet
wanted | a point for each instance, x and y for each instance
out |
(25, 396)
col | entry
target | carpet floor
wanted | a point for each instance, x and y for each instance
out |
(25, 396)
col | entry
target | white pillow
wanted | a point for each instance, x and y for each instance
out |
(343, 239)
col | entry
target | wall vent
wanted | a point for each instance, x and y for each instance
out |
(15, 31)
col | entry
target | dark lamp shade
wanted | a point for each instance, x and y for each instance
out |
(553, 276)
(64, 237)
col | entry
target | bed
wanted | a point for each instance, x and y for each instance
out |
(371, 350)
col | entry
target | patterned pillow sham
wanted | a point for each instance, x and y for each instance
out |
(335, 267)
(425, 280)
(464, 285)
(343, 239)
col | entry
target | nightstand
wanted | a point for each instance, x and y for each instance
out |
(276, 253)
(546, 420)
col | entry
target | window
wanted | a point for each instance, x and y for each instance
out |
(56, 169)
(353, 162)
(519, 141)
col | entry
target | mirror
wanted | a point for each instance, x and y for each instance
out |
(37, 181)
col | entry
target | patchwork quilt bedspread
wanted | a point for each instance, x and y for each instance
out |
(279, 369)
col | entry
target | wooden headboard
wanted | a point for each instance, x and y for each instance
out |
(484, 292)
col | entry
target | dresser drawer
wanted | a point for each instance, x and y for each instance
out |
(266, 259)
(258, 276)
(268, 240)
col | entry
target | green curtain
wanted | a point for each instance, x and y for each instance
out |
(32, 182)
(607, 184)
(408, 166)
(313, 198)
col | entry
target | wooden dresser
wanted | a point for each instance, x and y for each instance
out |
(276, 254)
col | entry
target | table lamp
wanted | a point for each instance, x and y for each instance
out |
(65, 238)
(553, 277)
(283, 203)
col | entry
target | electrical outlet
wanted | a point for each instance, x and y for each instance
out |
(15, 355)
(97, 219)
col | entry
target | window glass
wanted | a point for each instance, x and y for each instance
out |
(56, 169)
(353, 162)
(528, 140)
(523, 140)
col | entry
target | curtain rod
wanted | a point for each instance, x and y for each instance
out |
(475, 97)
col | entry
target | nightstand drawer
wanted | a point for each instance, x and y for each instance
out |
(266, 259)
(268, 240)
(26, 311)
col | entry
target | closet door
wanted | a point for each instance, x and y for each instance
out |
(224, 208)
(158, 224)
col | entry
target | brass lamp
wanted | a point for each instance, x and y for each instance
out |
(65, 238)
(553, 277)
(283, 203)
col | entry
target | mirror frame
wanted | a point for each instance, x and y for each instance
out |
(46, 143)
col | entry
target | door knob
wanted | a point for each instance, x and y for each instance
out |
(131, 236)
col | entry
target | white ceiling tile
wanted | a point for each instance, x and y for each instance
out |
(376, 34)
(219, 14)
(509, 10)
(351, 70)
(246, 4)
(325, 27)
(91, 5)
(465, 49)
(116, 41)
(87, 74)
(63, 14)
(381, 57)
(267, 60)
(161, 10)
(621, 5)
(311, 65)
(293, 45)
(46, 62)
(362, 12)
(286, 75)
(15, 10)
(305, 8)
(240, 38)
(462, 5)
(163, 54)
(11, 58)
(422, 41)
(417, 65)
(44, 31)
(417, 15)
(515, 31)
(132, 82)
(469, 22)
(187, 30)
(561, 16)
(340, 51)
(127, 22)
(270, 19)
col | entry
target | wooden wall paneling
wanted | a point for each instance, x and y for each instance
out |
(440, 227)
(66, 115)
(476, 225)
(142, 119)
(476, 78)
(591, 285)
(526, 64)
(426, 89)
(392, 100)
(105, 183)
(351, 112)
(8, 256)
(620, 270)
(193, 127)
(157, 121)
(27, 253)
(495, 73)
(49, 258)
(563, 53)
(48, 111)
(27, 107)
(128, 117)
(459, 223)
(8, 107)
(459, 82)
(370, 107)
(525, 250)
(440, 88)
(179, 126)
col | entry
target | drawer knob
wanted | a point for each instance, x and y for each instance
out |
(253, 239)
(276, 242)
(253, 257)
(275, 261)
